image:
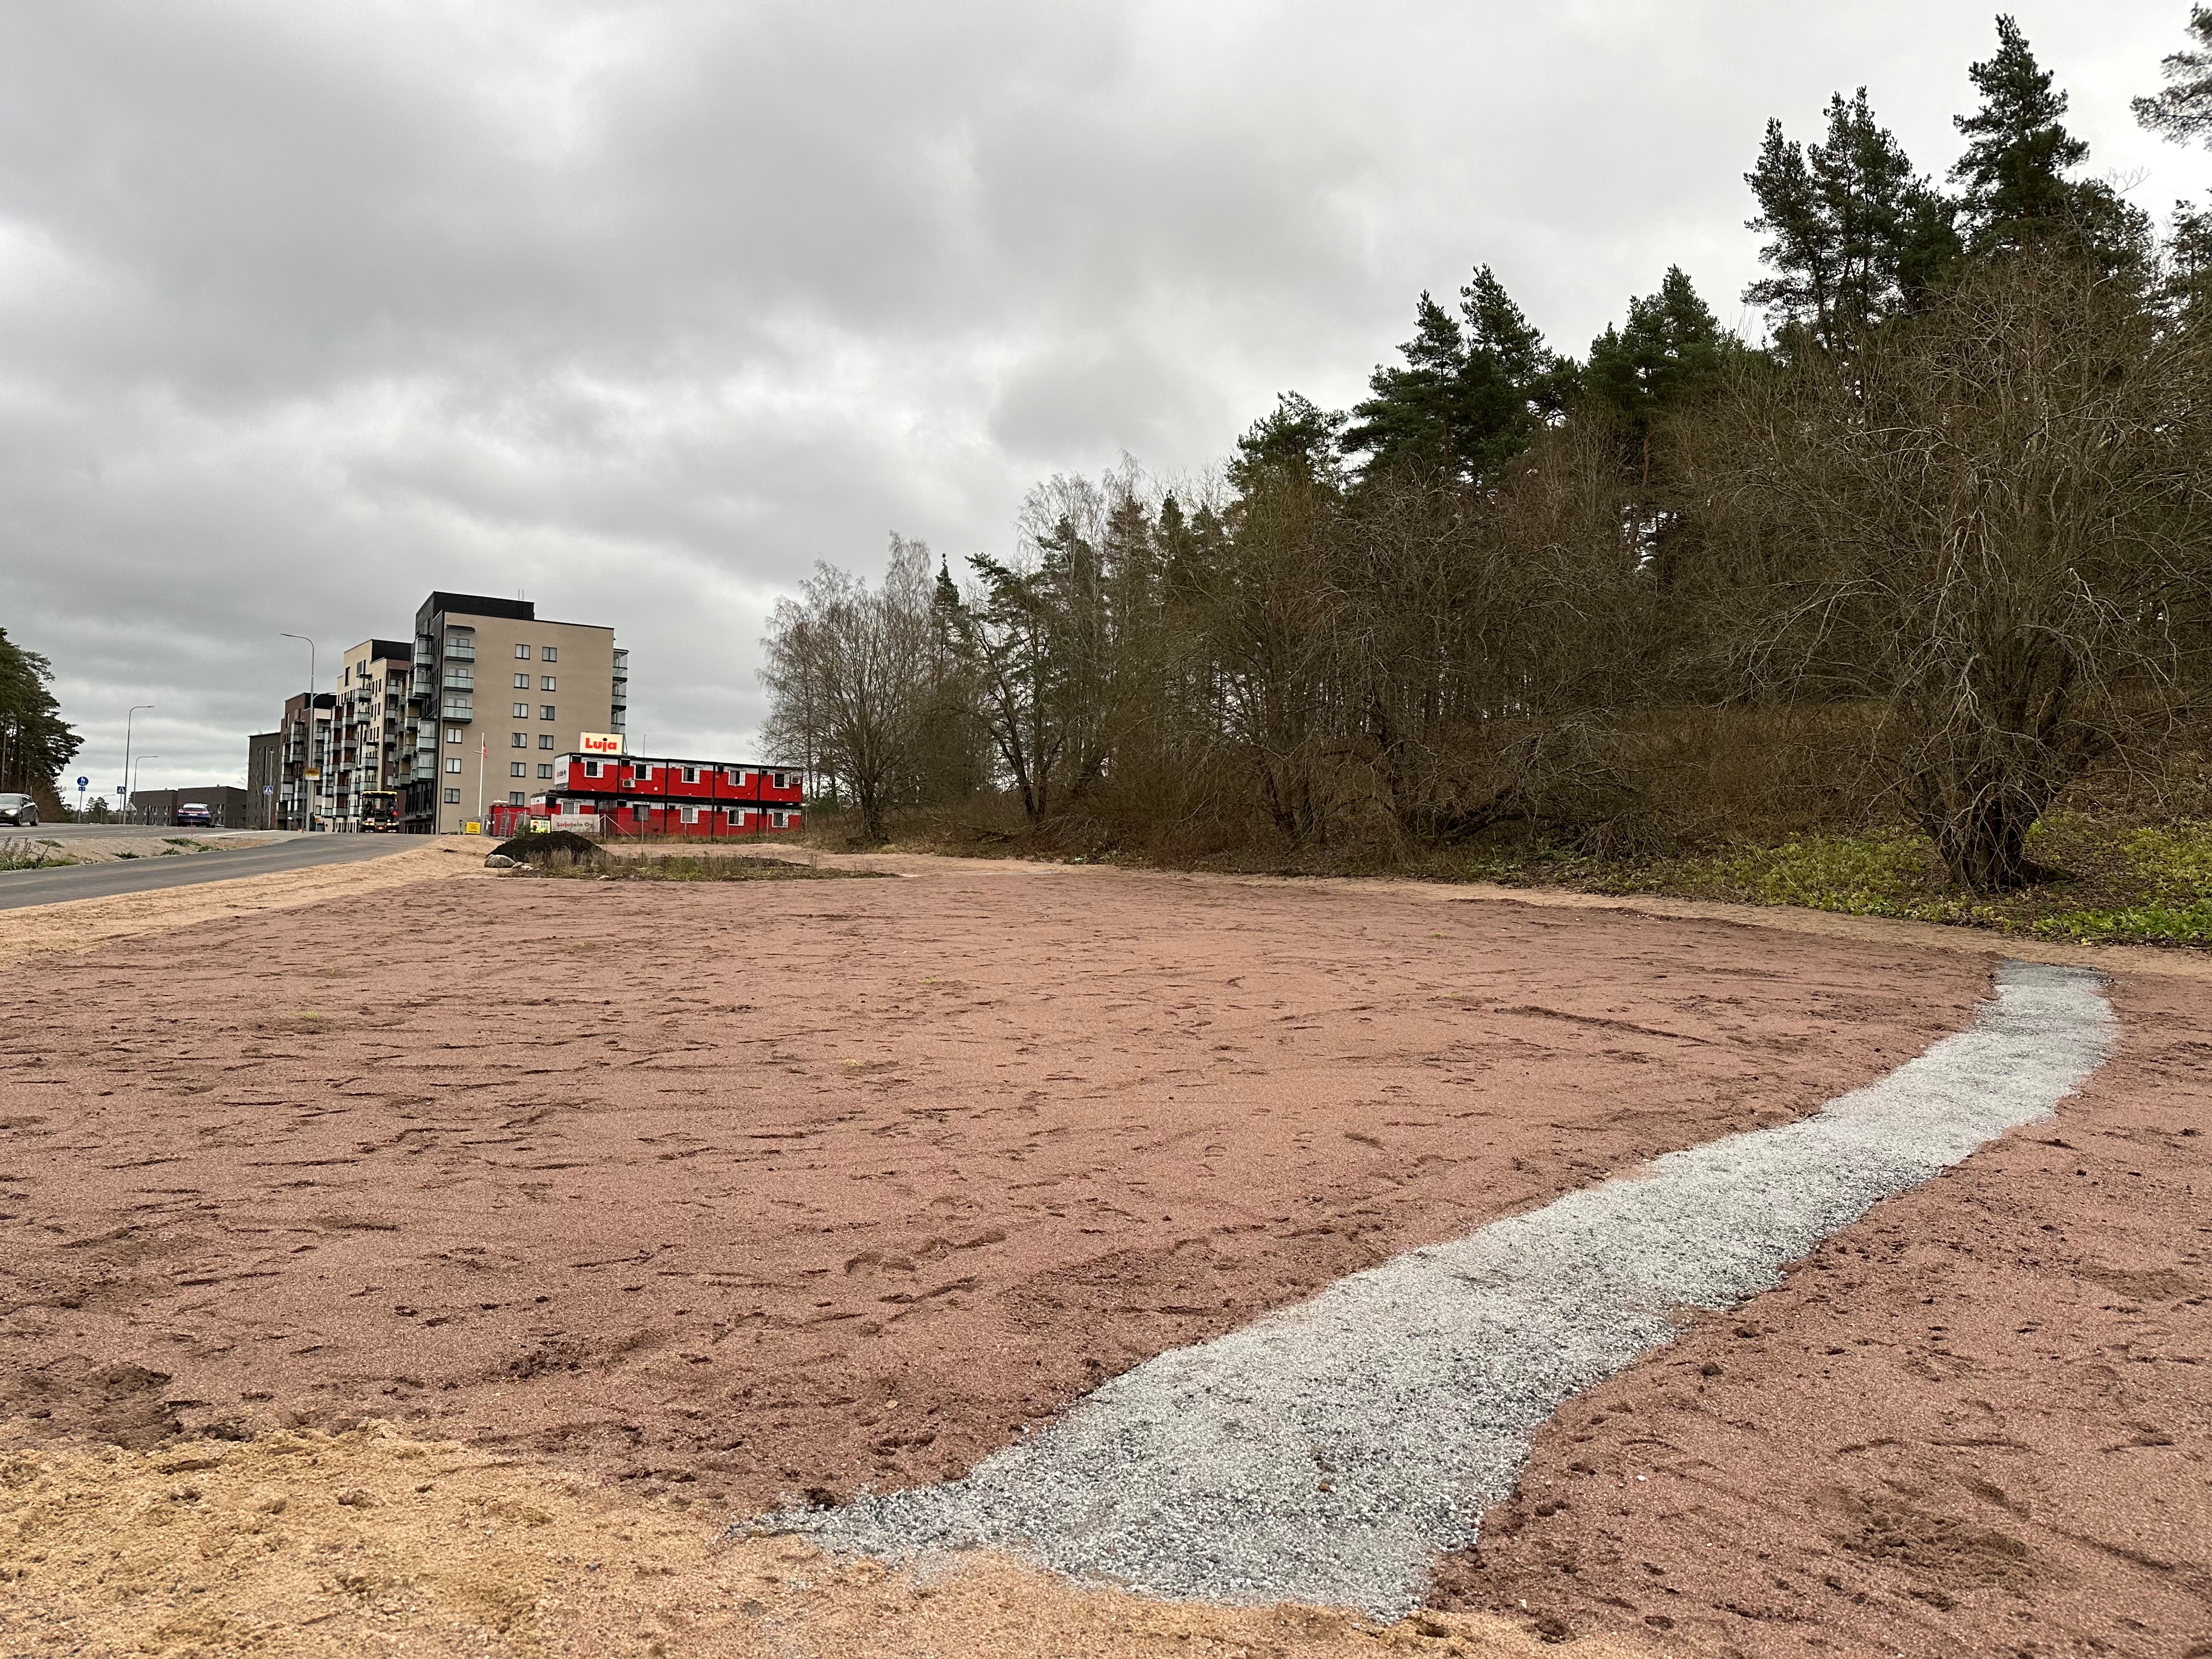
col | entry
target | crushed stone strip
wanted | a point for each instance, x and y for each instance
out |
(1328, 1453)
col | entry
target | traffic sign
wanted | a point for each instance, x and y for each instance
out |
(268, 788)
(84, 783)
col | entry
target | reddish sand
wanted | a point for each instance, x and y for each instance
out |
(1978, 1422)
(739, 1191)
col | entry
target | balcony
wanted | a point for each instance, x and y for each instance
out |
(460, 650)
(457, 711)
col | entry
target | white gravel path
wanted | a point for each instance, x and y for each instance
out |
(1330, 1452)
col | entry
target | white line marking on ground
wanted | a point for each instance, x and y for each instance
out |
(1330, 1452)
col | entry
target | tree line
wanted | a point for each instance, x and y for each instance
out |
(1941, 544)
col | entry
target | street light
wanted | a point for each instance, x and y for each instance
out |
(307, 743)
(127, 719)
(143, 759)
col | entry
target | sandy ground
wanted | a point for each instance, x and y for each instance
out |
(713, 1196)
(369, 1542)
(1979, 1421)
(81, 924)
(697, 1188)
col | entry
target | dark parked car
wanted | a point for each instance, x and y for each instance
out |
(195, 814)
(19, 810)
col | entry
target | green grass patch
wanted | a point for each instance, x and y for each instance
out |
(2144, 885)
(31, 856)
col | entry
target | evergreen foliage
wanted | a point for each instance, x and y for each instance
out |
(2017, 196)
(1670, 350)
(35, 743)
(1854, 236)
(2184, 109)
(1474, 390)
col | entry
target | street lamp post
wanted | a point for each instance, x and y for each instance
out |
(133, 778)
(127, 719)
(308, 743)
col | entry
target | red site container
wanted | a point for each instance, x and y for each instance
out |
(671, 796)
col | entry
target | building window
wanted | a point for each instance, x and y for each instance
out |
(777, 781)
(690, 774)
(545, 769)
(522, 711)
(545, 738)
(546, 654)
(522, 682)
(591, 769)
(452, 798)
(518, 798)
(691, 815)
(545, 683)
(522, 653)
(518, 768)
(779, 820)
(545, 712)
(518, 740)
(453, 762)
(452, 734)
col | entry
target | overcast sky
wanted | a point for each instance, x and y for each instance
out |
(640, 308)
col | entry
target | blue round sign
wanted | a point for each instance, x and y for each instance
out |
(84, 783)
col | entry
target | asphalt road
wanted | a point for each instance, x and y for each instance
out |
(21, 887)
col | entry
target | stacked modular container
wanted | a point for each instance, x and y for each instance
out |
(653, 795)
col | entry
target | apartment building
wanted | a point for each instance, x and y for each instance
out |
(497, 696)
(301, 753)
(370, 748)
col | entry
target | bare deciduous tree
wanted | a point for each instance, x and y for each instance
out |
(1992, 524)
(855, 676)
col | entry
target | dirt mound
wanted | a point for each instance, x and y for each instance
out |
(305, 1544)
(549, 846)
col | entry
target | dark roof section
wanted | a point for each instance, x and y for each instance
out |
(473, 604)
(393, 650)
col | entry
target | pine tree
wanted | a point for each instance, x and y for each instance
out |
(1854, 236)
(2017, 197)
(1669, 351)
(34, 742)
(1300, 438)
(1474, 391)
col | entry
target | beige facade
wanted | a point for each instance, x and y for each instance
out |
(368, 747)
(497, 696)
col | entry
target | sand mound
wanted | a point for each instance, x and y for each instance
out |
(370, 1542)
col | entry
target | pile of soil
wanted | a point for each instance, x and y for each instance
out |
(367, 1542)
(551, 846)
